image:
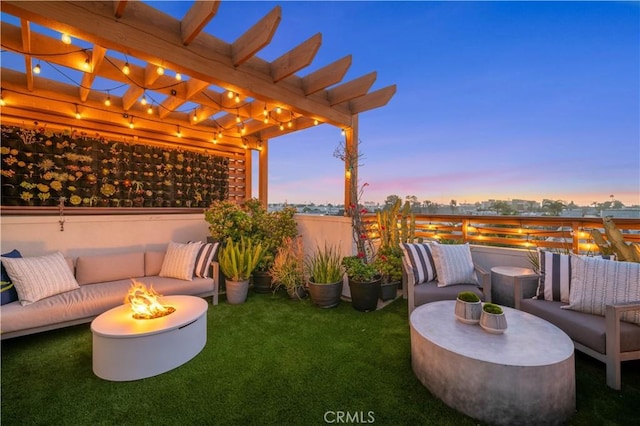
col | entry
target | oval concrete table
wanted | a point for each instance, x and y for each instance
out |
(125, 348)
(524, 376)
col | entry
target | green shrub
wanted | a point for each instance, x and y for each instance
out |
(468, 296)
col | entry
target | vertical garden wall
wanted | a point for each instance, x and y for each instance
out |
(40, 167)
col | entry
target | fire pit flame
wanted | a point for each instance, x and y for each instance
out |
(144, 302)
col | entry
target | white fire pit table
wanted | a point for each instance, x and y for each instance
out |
(525, 376)
(125, 348)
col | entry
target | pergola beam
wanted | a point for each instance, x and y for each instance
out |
(197, 18)
(256, 38)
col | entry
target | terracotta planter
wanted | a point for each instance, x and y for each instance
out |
(365, 294)
(468, 312)
(236, 291)
(325, 295)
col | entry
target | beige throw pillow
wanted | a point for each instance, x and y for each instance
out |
(597, 282)
(180, 260)
(38, 277)
(453, 264)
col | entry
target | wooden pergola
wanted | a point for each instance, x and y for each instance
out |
(227, 100)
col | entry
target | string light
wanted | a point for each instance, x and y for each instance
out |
(344, 132)
(66, 38)
(238, 117)
(315, 122)
(266, 120)
(86, 65)
(215, 139)
(290, 124)
(243, 130)
(160, 70)
(179, 133)
(131, 126)
(178, 76)
(195, 115)
(230, 94)
(149, 109)
(219, 134)
(126, 70)
(143, 101)
(278, 110)
(281, 126)
(78, 116)
(237, 98)
(107, 101)
(2, 102)
(36, 69)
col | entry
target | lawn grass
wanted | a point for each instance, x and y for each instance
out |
(268, 361)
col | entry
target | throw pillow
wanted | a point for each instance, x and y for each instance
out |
(9, 293)
(180, 260)
(204, 258)
(453, 264)
(419, 257)
(555, 275)
(38, 277)
(597, 282)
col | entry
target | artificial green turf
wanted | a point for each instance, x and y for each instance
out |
(268, 361)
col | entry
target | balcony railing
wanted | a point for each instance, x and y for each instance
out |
(553, 232)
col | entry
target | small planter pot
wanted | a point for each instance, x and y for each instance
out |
(237, 291)
(325, 295)
(493, 323)
(364, 294)
(261, 282)
(468, 312)
(389, 291)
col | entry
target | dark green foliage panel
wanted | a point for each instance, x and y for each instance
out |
(39, 167)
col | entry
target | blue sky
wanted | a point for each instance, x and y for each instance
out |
(495, 100)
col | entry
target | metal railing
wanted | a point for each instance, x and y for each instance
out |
(553, 232)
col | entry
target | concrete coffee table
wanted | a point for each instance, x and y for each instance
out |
(125, 348)
(524, 376)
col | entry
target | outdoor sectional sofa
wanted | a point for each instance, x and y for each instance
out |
(103, 283)
(607, 335)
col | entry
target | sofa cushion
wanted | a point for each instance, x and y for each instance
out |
(555, 276)
(153, 262)
(430, 292)
(587, 329)
(38, 277)
(453, 264)
(9, 293)
(109, 267)
(419, 257)
(180, 260)
(597, 282)
(204, 258)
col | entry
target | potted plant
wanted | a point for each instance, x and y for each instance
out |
(389, 263)
(492, 319)
(227, 220)
(468, 307)
(325, 272)
(287, 269)
(237, 262)
(364, 282)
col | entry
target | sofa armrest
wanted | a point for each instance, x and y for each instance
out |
(484, 278)
(407, 284)
(215, 274)
(518, 291)
(613, 314)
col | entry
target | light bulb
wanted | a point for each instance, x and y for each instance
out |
(315, 122)
(343, 132)
(281, 126)
(36, 69)
(107, 101)
(178, 76)
(179, 133)
(215, 139)
(149, 109)
(266, 120)
(78, 116)
(289, 124)
(220, 134)
(230, 94)
(278, 110)
(237, 98)
(66, 38)
(131, 124)
(238, 118)
(2, 102)
(195, 117)
(265, 112)
(125, 69)
(86, 65)
(160, 70)
(143, 101)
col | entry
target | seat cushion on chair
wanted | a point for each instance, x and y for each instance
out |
(587, 329)
(430, 292)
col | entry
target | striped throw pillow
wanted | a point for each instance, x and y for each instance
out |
(421, 260)
(597, 282)
(454, 264)
(555, 276)
(36, 278)
(180, 260)
(204, 258)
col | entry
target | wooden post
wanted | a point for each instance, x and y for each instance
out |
(263, 173)
(351, 164)
(248, 174)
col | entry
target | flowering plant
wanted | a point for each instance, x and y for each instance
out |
(357, 269)
(389, 262)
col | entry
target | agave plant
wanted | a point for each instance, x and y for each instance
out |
(238, 260)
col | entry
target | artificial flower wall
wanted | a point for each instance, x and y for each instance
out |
(39, 167)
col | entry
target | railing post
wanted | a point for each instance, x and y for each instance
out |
(575, 230)
(465, 225)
